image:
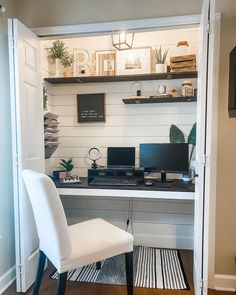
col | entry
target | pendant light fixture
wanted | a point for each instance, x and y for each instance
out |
(122, 40)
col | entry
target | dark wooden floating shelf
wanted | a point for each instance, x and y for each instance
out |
(165, 99)
(121, 78)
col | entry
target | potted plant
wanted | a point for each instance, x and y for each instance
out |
(67, 62)
(177, 136)
(160, 59)
(56, 53)
(67, 166)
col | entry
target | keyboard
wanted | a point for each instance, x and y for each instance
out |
(114, 181)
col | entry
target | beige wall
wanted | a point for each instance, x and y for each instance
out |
(36, 13)
(226, 174)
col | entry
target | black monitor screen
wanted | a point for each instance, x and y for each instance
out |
(121, 156)
(167, 157)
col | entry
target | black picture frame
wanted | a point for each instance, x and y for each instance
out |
(232, 84)
(91, 107)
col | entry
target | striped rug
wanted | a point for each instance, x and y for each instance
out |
(153, 268)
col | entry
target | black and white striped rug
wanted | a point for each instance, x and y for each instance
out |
(153, 268)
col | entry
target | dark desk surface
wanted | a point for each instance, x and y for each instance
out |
(177, 185)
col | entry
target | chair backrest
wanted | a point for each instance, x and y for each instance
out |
(49, 215)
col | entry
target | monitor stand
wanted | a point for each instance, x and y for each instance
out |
(163, 178)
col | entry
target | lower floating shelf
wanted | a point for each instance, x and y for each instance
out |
(165, 99)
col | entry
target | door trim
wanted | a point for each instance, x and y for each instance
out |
(108, 27)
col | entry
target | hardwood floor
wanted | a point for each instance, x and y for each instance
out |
(48, 286)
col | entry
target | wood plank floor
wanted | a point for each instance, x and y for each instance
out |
(48, 286)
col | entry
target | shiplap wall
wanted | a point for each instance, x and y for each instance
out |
(156, 223)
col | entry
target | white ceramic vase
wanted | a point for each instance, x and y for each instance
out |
(160, 68)
(57, 64)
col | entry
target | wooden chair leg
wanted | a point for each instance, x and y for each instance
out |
(40, 270)
(98, 265)
(61, 283)
(129, 272)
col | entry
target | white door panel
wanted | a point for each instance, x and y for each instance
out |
(27, 135)
(204, 148)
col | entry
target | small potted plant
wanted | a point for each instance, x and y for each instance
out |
(67, 166)
(160, 59)
(56, 53)
(177, 136)
(67, 62)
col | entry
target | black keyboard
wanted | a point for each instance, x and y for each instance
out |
(114, 181)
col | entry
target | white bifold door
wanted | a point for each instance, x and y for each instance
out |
(27, 142)
(206, 143)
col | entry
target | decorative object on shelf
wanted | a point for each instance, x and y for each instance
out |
(67, 62)
(94, 154)
(232, 84)
(105, 62)
(173, 92)
(91, 107)
(45, 97)
(183, 47)
(184, 63)
(177, 136)
(56, 53)
(160, 59)
(136, 89)
(66, 165)
(133, 61)
(161, 90)
(122, 40)
(187, 89)
(50, 134)
(81, 62)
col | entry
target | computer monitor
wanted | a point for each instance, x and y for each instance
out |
(164, 158)
(121, 157)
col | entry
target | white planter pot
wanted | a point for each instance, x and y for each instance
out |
(160, 68)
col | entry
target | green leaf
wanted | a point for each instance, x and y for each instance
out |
(192, 135)
(176, 135)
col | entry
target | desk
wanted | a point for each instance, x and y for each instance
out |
(177, 190)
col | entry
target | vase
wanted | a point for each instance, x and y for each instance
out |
(160, 68)
(57, 64)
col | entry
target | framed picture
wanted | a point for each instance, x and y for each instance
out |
(91, 107)
(133, 61)
(105, 63)
(232, 84)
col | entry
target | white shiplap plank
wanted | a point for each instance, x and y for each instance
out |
(144, 120)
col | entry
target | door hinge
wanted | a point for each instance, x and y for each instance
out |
(20, 268)
(17, 160)
(204, 161)
(202, 285)
(209, 27)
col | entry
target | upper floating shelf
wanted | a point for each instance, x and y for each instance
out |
(98, 79)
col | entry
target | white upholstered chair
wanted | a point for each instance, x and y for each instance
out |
(70, 247)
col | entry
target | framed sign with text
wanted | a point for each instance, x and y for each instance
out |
(91, 107)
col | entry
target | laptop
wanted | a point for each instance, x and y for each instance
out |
(121, 157)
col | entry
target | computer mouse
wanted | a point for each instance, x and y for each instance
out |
(148, 182)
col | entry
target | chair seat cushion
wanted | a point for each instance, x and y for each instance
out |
(95, 240)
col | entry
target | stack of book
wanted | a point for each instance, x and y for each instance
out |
(184, 63)
(50, 134)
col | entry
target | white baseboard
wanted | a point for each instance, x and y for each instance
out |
(225, 282)
(7, 279)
